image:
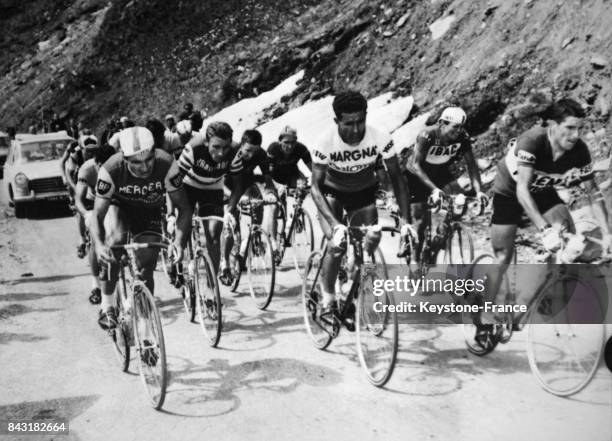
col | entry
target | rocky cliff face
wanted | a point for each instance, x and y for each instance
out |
(502, 60)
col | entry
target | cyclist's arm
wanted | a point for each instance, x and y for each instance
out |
(418, 160)
(524, 177)
(71, 181)
(598, 205)
(239, 190)
(80, 197)
(318, 179)
(63, 161)
(472, 167)
(400, 189)
(306, 158)
(97, 221)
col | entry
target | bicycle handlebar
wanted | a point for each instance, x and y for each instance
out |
(140, 246)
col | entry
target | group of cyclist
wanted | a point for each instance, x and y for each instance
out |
(122, 187)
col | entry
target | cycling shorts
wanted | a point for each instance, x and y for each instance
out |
(289, 181)
(210, 202)
(419, 192)
(354, 200)
(508, 211)
(139, 219)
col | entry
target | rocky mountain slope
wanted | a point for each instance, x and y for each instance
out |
(502, 60)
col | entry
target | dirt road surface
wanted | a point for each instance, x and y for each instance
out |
(265, 381)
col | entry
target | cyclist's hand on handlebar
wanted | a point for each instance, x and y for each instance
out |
(339, 233)
(483, 200)
(104, 254)
(436, 196)
(408, 237)
(551, 239)
(229, 220)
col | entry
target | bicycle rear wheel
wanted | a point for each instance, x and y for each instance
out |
(469, 327)
(150, 346)
(311, 301)
(260, 267)
(122, 334)
(564, 349)
(302, 240)
(377, 329)
(209, 299)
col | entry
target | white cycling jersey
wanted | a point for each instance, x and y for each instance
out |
(352, 168)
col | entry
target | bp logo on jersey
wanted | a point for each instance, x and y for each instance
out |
(177, 180)
(103, 187)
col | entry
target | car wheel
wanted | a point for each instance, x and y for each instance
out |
(20, 210)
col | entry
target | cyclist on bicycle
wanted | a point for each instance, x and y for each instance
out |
(284, 158)
(537, 162)
(72, 160)
(428, 172)
(343, 179)
(131, 189)
(84, 203)
(205, 161)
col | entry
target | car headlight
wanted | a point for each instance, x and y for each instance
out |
(21, 180)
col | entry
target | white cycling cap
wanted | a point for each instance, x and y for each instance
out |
(183, 127)
(135, 140)
(454, 115)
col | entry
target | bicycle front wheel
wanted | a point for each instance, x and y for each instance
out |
(122, 334)
(563, 348)
(459, 248)
(377, 329)
(311, 301)
(260, 267)
(302, 240)
(150, 346)
(208, 299)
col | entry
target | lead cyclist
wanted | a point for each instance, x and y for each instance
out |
(344, 180)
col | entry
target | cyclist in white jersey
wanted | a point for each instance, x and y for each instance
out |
(343, 179)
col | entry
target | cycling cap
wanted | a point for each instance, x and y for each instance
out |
(123, 119)
(169, 116)
(454, 115)
(289, 132)
(88, 142)
(135, 140)
(183, 127)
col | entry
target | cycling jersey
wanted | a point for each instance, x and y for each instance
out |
(202, 172)
(259, 159)
(284, 168)
(351, 168)
(533, 149)
(88, 175)
(115, 182)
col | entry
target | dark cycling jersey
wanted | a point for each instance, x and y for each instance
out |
(259, 159)
(115, 182)
(533, 149)
(351, 168)
(202, 172)
(438, 155)
(284, 168)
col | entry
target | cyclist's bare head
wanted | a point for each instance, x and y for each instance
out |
(219, 139)
(565, 118)
(350, 109)
(250, 144)
(287, 139)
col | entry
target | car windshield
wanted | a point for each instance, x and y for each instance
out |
(43, 150)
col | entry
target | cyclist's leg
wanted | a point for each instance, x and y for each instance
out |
(116, 231)
(270, 221)
(331, 262)
(212, 233)
(82, 234)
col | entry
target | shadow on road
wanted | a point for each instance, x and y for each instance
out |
(41, 279)
(8, 337)
(16, 309)
(211, 390)
(27, 296)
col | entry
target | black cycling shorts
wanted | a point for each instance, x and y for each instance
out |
(354, 200)
(419, 192)
(508, 211)
(289, 180)
(89, 204)
(139, 220)
(210, 202)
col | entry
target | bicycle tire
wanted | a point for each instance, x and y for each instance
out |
(208, 299)
(302, 249)
(237, 272)
(144, 309)
(121, 334)
(261, 277)
(551, 347)
(458, 248)
(377, 333)
(311, 298)
(469, 328)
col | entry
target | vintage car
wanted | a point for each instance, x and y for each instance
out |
(32, 170)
